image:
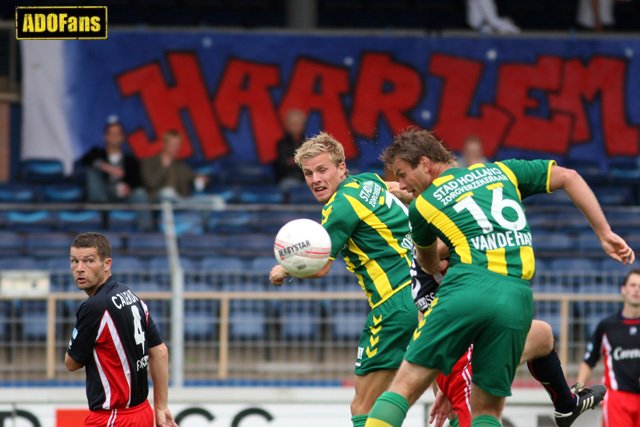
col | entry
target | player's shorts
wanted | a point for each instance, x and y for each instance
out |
(387, 333)
(474, 305)
(621, 408)
(457, 387)
(138, 416)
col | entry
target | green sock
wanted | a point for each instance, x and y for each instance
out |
(389, 411)
(485, 421)
(454, 422)
(359, 420)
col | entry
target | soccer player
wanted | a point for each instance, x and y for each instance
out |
(485, 298)
(369, 227)
(116, 341)
(539, 354)
(617, 338)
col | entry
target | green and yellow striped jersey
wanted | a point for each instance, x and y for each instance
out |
(370, 228)
(478, 213)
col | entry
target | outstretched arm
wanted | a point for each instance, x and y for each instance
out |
(580, 193)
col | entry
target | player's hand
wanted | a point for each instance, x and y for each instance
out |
(404, 196)
(617, 248)
(277, 275)
(164, 418)
(441, 410)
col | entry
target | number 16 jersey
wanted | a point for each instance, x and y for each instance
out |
(112, 337)
(478, 213)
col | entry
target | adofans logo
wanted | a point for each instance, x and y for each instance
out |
(61, 22)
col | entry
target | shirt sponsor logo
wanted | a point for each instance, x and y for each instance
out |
(142, 363)
(477, 178)
(61, 22)
(620, 353)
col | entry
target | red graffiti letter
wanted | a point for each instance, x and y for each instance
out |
(164, 104)
(320, 87)
(246, 84)
(604, 76)
(530, 132)
(373, 99)
(461, 77)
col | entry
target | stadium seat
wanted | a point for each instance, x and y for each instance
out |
(33, 315)
(588, 243)
(301, 195)
(128, 264)
(222, 263)
(559, 198)
(18, 193)
(347, 318)
(615, 194)
(40, 220)
(552, 242)
(63, 193)
(262, 264)
(19, 263)
(227, 193)
(299, 319)
(42, 171)
(575, 274)
(59, 268)
(247, 318)
(271, 221)
(261, 194)
(549, 311)
(591, 313)
(5, 316)
(48, 244)
(11, 243)
(245, 173)
(230, 222)
(208, 244)
(187, 223)
(80, 221)
(252, 244)
(122, 220)
(147, 244)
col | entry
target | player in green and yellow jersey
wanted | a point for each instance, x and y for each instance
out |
(485, 298)
(369, 228)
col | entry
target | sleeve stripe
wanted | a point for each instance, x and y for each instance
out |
(512, 177)
(551, 164)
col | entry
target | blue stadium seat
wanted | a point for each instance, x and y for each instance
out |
(615, 194)
(19, 263)
(301, 195)
(147, 244)
(63, 193)
(271, 221)
(245, 173)
(122, 220)
(557, 241)
(347, 318)
(48, 244)
(261, 194)
(128, 264)
(262, 264)
(229, 222)
(222, 263)
(33, 315)
(247, 318)
(226, 192)
(18, 193)
(41, 171)
(11, 243)
(559, 198)
(5, 314)
(187, 223)
(593, 312)
(575, 274)
(40, 220)
(59, 268)
(299, 319)
(206, 244)
(201, 315)
(80, 221)
(549, 311)
(252, 244)
(587, 242)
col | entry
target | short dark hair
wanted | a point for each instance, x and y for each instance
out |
(93, 240)
(413, 143)
(109, 125)
(629, 274)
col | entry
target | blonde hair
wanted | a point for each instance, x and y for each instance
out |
(320, 144)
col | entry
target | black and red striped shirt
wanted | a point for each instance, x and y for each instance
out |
(618, 340)
(112, 337)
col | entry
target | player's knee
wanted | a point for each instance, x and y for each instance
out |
(539, 341)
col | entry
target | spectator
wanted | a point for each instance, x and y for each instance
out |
(472, 152)
(482, 15)
(595, 15)
(617, 340)
(167, 178)
(112, 176)
(117, 342)
(287, 173)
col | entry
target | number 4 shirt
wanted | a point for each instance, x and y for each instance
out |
(112, 337)
(478, 213)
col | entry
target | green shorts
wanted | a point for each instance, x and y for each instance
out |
(479, 307)
(387, 333)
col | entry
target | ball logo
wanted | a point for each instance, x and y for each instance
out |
(293, 249)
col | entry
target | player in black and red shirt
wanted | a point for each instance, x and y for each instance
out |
(116, 340)
(617, 340)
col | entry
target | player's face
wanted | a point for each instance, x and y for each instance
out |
(323, 176)
(89, 271)
(631, 291)
(414, 180)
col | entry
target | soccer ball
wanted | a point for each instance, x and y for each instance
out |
(302, 247)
